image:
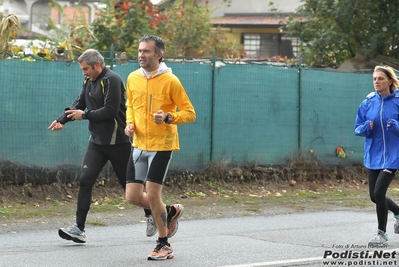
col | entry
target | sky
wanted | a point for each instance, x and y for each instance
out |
(155, 1)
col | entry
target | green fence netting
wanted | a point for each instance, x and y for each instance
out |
(246, 113)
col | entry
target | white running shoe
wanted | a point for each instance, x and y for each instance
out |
(379, 239)
(72, 233)
(151, 227)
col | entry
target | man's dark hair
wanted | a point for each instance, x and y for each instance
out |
(159, 44)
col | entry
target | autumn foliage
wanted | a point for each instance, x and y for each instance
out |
(184, 25)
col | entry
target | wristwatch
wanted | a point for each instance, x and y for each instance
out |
(168, 118)
(83, 116)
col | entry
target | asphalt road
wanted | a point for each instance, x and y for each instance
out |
(301, 239)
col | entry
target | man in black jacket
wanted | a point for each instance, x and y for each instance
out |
(102, 102)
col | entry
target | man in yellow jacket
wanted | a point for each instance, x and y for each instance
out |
(156, 104)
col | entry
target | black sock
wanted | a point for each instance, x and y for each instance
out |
(163, 240)
(147, 212)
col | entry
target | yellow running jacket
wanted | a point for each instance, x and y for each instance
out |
(161, 91)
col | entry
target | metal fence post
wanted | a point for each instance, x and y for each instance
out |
(299, 105)
(112, 61)
(112, 56)
(213, 105)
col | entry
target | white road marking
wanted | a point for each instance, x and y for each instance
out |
(273, 263)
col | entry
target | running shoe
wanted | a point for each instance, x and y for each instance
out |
(163, 251)
(151, 227)
(396, 224)
(173, 223)
(72, 233)
(379, 239)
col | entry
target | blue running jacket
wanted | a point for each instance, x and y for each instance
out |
(381, 144)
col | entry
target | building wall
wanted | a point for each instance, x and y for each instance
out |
(71, 14)
(283, 47)
(235, 34)
(33, 14)
(18, 8)
(219, 8)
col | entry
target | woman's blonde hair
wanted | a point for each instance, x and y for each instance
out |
(390, 73)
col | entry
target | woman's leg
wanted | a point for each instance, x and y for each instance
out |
(383, 203)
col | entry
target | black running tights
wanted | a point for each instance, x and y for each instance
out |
(379, 181)
(93, 163)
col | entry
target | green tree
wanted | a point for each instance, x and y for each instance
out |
(188, 31)
(122, 23)
(184, 25)
(337, 30)
(186, 28)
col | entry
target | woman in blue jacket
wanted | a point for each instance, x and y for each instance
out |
(378, 121)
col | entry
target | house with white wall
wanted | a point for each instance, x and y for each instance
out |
(33, 14)
(258, 25)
